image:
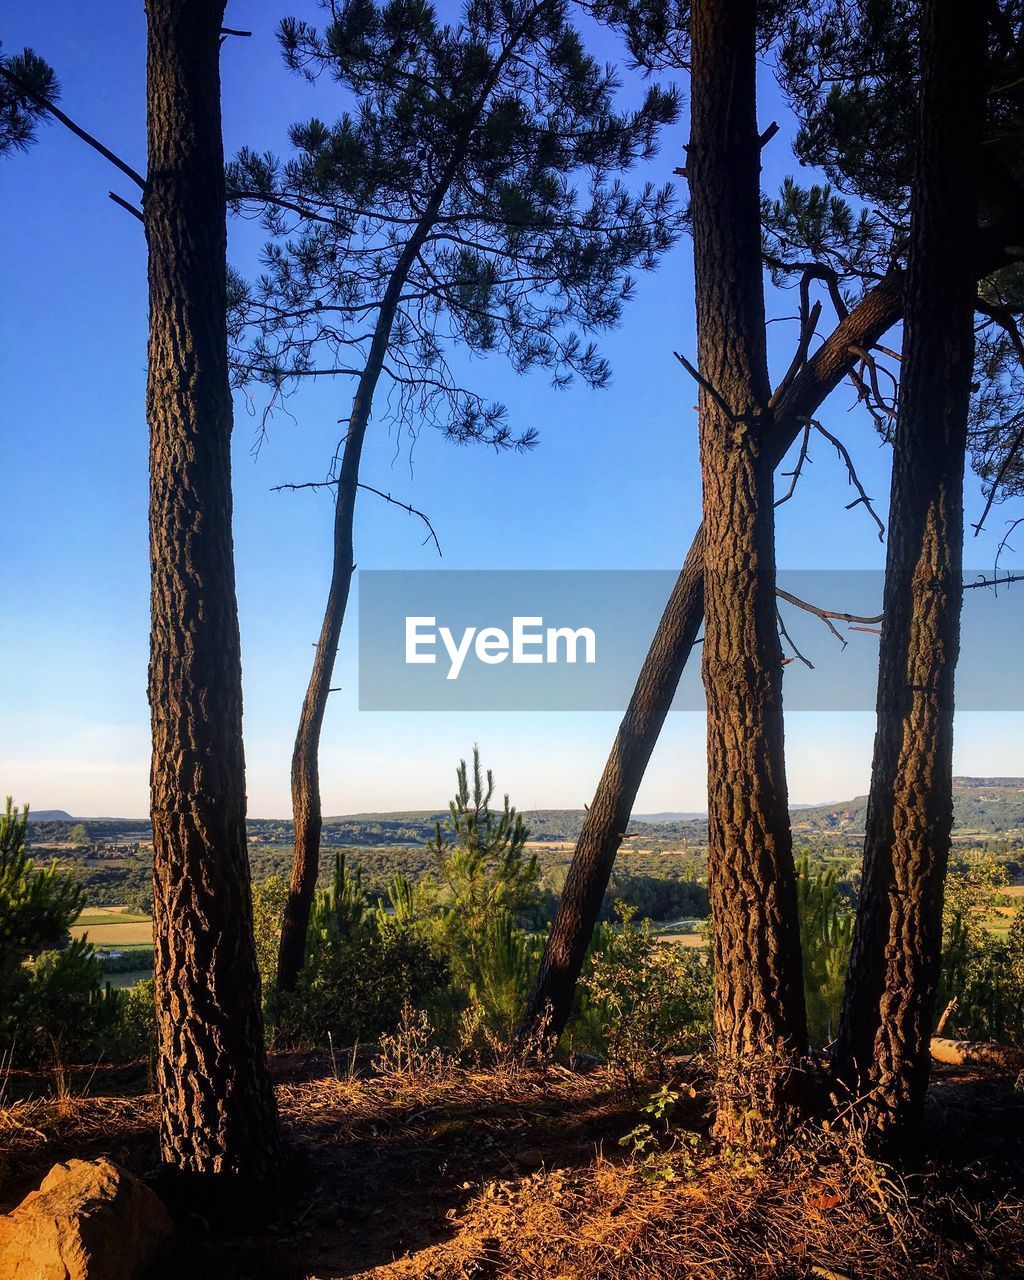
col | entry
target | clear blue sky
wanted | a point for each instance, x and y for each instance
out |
(614, 483)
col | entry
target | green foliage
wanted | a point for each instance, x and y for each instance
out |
(850, 70)
(136, 1024)
(36, 907)
(24, 78)
(815, 222)
(648, 1140)
(826, 936)
(474, 183)
(54, 1007)
(361, 969)
(268, 901)
(984, 973)
(643, 1000)
(79, 834)
(483, 898)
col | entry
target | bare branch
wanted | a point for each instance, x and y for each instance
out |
(791, 642)
(1007, 462)
(795, 473)
(807, 327)
(854, 480)
(395, 502)
(126, 204)
(828, 615)
(706, 386)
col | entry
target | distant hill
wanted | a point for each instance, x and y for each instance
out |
(980, 805)
(668, 817)
(983, 806)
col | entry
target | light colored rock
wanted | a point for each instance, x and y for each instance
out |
(89, 1220)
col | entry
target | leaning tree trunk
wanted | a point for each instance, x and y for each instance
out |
(550, 1003)
(217, 1112)
(883, 1046)
(306, 809)
(307, 812)
(760, 1025)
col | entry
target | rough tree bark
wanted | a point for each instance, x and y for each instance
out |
(218, 1121)
(883, 1045)
(760, 1025)
(550, 1002)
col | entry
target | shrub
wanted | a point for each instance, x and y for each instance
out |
(985, 973)
(136, 1024)
(361, 968)
(826, 936)
(644, 1000)
(268, 901)
(54, 1006)
(480, 904)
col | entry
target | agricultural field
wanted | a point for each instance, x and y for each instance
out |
(114, 927)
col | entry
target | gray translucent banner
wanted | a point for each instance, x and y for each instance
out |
(574, 640)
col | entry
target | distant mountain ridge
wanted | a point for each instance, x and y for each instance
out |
(986, 806)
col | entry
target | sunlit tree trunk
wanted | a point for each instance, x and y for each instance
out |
(217, 1115)
(887, 1014)
(760, 1031)
(579, 904)
(550, 1003)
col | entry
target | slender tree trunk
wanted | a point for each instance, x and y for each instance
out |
(217, 1113)
(760, 1026)
(306, 808)
(307, 812)
(883, 1048)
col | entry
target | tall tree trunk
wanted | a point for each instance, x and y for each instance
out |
(760, 1025)
(886, 1023)
(217, 1112)
(306, 807)
(550, 1002)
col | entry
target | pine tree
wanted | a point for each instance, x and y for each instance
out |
(27, 83)
(489, 888)
(218, 1123)
(470, 199)
(883, 1048)
(868, 306)
(54, 1004)
(760, 1022)
(218, 1118)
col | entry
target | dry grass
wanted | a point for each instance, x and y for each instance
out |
(820, 1213)
(482, 1174)
(36, 1133)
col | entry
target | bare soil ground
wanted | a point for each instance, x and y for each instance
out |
(480, 1174)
